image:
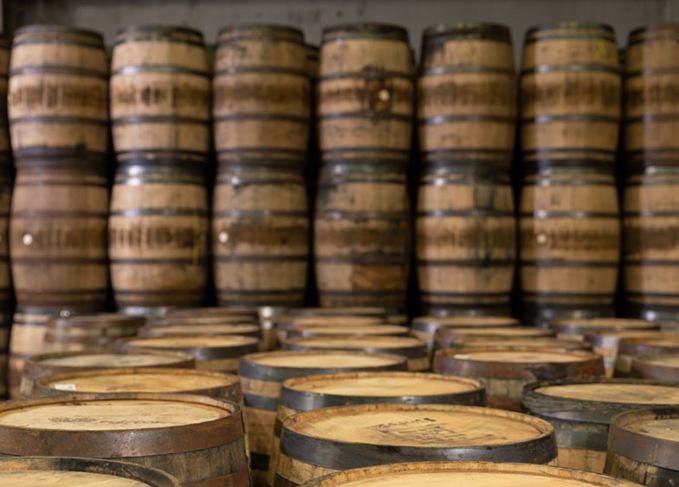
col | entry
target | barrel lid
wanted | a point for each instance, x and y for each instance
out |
(207, 341)
(446, 333)
(118, 425)
(469, 474)
(656, 344)
(661, 31)
(156, 380)
(150, 32)
(53, 32)
(614, 336)
(368, 432)
(648, 436)
(667, 360)
(83, 472)
(467, 31)
(288, 320)
(431, 323)
(620, 391)
(517, 356)
(365, 30)
(570, 25)
(264, 32)
(110, 358)
(344, 311)
(99, 320)
(212, 311)
(199, 329)
(348, 330)
(544, 343)
(367, 343)
(581, 326)
(200, 320)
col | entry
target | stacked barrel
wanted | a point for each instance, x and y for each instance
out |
(58, 112)
(364, 116)
(261, 121)
(651, 202)
(465, 219)
(569, 218)
(160, 111)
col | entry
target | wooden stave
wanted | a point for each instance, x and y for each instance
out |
(148, 476)
(183, 440)
(629, 457)
(580, 424)
(356, 455)
(644, 368)
(229, 391)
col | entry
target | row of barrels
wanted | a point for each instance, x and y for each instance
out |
(164, 93)
(363, 421)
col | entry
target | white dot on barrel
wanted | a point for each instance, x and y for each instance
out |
(541, 238)
(384, 95)
(27, 239)
(223, 237)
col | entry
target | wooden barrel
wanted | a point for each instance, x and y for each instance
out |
(261, 376)
(212, 352)
(322, 391)
(504, 373)
(58, 234)
(226, 320)
(160, 93)
(424, 327)
(197, 439)
(581, 412)
(663, 368)
(285, 322)
(158, 235)
(201, 329)
(576, 329)
(260, 235)
(37, 366)
(465, 216)
(342, 330)
(29, 471)
(154, 381)
(213, 311)
(5, 147)
(390, 315)
(83, 332)
(58, 93)
(447, 337)
(643, 446)
(261, 95)
(320, 442)
(630, 347)
(470, 474)
(510, 342)
(569, 244)
(414, 349)
(605, 343)
(570, 94)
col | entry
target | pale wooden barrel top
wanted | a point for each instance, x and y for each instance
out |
(471, 321)
(615, 393)
(207, 341)
(662, 360)
(202, 329)
(613, 323)
(509, 331)
(664, 429)
(351, 329)
(151, 381)
(380, 384)
(468, 474)
(358, 342)
(58, 478)
(520, 356)
(324, 359)
(111, 360)
(110, 415)
(418, 425)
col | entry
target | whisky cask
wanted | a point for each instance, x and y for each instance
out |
(643, 446)
(390, 315)
(261, 377)
(213, 311)
(524, 343)
(504, 373)
(145, 380)
(260, 235)
(37, 366)
(64, 471)
(344, 330)
(196, 439)
(448, 337)
(201, 329)
(471, 474)
(158, 235)
(261, 95)
(58, 234)
(424, 327)
(630, 347)
(83, 332)
(58, 94)
(321, 391)
(199, 319)
(663, 368)
(581, 412)
(569, 243)
(570, 91)
(414, 349)
(160, 93)
(576, 329)
(320, 442)
(465, 216)
(212, 352)
(605, 343)
(285, 322)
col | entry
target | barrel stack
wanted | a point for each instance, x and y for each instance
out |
(651, 152)
(160, 111)
(466, 242)
(362, 216)
(569, 218)
(58, 113)
(260, 225)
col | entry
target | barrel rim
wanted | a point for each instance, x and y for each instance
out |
(245, 329)
(96, 36)
(467, 30)
(200, 352)
(433, 322)
(650, 367)
(416, 350)
(291, 33)
(583, 325)
(38, 359)
(98, 320)
(361, 329)
(369, 30)
(570, 24)
(158, 31)
(337, 479)
(129, 470)
(662, 29)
